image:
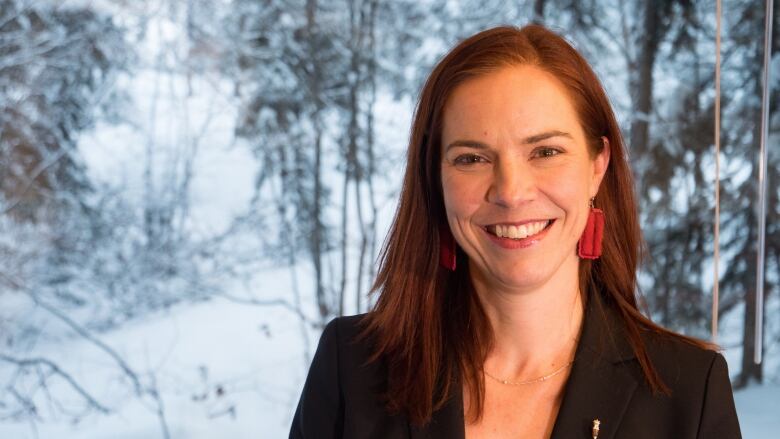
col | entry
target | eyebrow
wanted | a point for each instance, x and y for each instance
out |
(528, 140)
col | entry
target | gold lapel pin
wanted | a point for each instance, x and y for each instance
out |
(596, 424)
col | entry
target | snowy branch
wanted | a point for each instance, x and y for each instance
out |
(32, 362)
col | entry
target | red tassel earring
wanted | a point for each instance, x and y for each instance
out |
(590, 242)
(447, 248)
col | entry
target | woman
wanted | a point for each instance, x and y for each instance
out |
(507, 285)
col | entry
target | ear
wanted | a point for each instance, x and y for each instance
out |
(600, 164)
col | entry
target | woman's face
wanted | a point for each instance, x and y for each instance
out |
(517, 176)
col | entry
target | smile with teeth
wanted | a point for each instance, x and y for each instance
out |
(518, 232)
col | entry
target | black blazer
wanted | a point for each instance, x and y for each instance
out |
(606, 383)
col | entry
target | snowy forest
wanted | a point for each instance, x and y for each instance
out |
(191, 189)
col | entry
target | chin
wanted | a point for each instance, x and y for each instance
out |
(520, 275)
(528, 281)
(529, 273)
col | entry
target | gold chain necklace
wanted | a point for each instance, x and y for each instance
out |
(535, 380)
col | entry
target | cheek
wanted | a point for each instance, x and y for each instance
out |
(569, 197)
(568, 189)
(463, 194)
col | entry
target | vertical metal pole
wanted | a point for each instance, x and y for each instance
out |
(762, 187)
(716, 256)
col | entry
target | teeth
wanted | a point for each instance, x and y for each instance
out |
(520, 232)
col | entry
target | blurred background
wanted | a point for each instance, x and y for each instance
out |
(191, 189)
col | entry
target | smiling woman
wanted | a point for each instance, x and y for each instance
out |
(507, 287)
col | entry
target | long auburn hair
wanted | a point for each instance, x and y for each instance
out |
(427, 325)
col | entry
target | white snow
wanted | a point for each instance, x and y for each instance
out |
(253, 354)
(759, 411)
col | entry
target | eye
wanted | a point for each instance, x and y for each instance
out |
(468, 159)
(545, 152)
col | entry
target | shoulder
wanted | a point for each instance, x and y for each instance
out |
(680, 355)
(337, 395)
(361, 380)
(349, 326)
(701, 398)
(342, 336)
(343, 339)
(337, 350)
(698, 379)
(688, 367)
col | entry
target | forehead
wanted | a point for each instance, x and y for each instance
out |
(516, 101)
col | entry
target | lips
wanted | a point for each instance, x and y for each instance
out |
(518, 235)
(518, 231)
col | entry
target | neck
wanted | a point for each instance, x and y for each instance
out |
(535, 329)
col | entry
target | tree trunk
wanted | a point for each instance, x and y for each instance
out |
(370, 168)
(642, 90)
(538, 11)
(750, 372)
(317, 232)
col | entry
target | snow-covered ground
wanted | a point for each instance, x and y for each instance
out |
(223, 370)
(759, 411)
(227, 370)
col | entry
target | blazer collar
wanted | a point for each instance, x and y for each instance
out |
(446, 423)
(598, 386)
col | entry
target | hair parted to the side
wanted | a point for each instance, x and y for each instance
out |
(427, 325)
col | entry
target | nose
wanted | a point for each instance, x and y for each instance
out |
(513, 184)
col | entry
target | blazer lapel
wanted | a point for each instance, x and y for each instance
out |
(447, 422)
(599, 386)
